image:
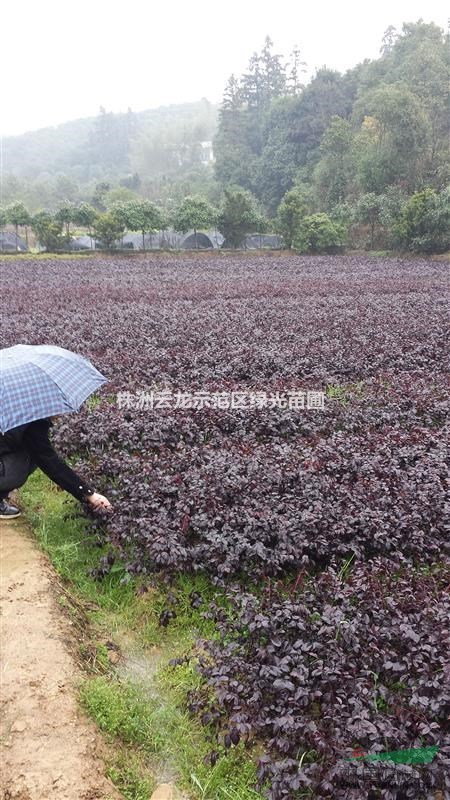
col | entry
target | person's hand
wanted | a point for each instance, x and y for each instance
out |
(97, 501)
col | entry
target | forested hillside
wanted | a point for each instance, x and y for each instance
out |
(359, 159)
(382, 124)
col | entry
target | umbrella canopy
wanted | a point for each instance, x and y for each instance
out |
(38, 381)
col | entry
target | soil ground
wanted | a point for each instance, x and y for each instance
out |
(49, 749)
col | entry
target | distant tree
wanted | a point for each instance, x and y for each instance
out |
(152, 219)
(328, 94)
(296, 66)
(14, 190)
(98, 197)
(389, 38)
(194, 213)
(424, 225)
(293, 131)
(3, 222)
(66, 189)
(85, 215)
(48, 231)
(318, 234)
(236, 162)
(261, 226)
(132, 182)
(265, 79)
(109, 139)
(143, 216)
(18, 215)
(121, 210)
(119, 194)
(238, 216)
(242, 120)
(40, 193)
(393, 137)
(333, 173)
(343, 212)
(392, 205)
(277, 168)
(290, 213)
(368, 211)
(66, 214)
(108, 229)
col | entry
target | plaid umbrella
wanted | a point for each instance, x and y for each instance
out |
(38, 381)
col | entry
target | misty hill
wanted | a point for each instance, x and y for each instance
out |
(111, 145)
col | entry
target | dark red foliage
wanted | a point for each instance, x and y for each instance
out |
(361, 662)
(324, 658)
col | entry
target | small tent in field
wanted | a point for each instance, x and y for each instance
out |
(197, 241)
(211, 240)
(82, 243)
(152, 241)
(258, 241)
(12, 243)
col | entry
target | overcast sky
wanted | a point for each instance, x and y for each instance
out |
(63, 60)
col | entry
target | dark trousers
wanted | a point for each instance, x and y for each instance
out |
(14, 471)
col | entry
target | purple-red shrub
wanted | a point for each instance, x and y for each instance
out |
(348, 657)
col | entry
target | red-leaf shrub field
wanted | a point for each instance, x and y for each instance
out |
(328, 529)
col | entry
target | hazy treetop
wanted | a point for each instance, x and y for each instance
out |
(64, 62)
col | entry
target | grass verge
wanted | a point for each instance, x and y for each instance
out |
(137, 698)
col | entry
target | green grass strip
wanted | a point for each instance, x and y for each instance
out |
(143, 715)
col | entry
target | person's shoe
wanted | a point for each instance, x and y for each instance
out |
(8, 511)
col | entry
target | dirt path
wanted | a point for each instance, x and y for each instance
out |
(49, 749)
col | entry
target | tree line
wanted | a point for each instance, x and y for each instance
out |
(420, 224)
(237, 215)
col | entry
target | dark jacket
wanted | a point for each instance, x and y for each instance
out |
(34, 438)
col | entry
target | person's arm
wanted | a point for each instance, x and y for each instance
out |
(37, 442)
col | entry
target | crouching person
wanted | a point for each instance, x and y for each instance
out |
(27, 447)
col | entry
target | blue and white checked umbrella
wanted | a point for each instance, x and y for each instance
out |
(38, 381)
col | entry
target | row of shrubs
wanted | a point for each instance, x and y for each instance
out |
(420, 223)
